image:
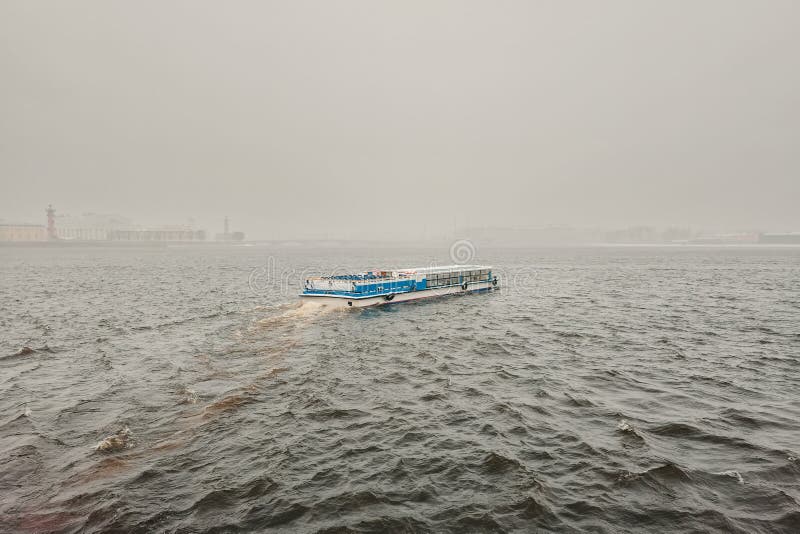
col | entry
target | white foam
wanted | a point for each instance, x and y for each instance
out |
(624, 426)
(191, 396)
(115, 442)
(733, 474)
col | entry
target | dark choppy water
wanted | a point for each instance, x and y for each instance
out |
(602, 390)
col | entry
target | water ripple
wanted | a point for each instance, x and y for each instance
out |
(622, 390)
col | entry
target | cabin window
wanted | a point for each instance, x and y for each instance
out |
(441, 279)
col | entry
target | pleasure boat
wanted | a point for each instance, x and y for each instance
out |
(371, 288)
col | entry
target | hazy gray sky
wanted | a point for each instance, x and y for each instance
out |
(348, 118)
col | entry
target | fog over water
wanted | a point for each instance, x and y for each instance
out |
(314, 119)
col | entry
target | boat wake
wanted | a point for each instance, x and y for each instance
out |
(281, 340)
(300, 312)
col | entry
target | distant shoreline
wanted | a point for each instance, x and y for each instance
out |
(317, 244)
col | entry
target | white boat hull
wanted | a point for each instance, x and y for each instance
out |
(339, 301)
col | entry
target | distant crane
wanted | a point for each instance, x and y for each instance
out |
(227, 235)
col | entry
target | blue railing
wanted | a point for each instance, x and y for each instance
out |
(383, 286)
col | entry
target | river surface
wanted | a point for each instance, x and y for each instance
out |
(626, 389)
